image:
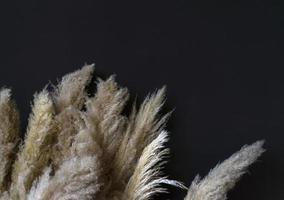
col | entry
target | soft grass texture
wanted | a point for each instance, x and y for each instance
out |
(81, 146)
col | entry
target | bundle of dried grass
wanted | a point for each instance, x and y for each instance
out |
(81, 147)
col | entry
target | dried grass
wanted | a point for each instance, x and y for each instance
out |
(81, 147)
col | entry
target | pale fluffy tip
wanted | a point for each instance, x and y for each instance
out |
(254, 150)
(259, 145)
(88, 68)
(158, 94)
(5, 95)
(43, 96)
(162, 91)
(260, 142)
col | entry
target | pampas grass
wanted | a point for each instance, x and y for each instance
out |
(80, 146)
(9, 136)
(224, 176)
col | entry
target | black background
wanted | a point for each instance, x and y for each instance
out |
(221, 62)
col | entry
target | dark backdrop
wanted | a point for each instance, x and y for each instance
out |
(221, 61)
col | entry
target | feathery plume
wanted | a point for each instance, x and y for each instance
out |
(69, 97)
(76, 178)
(71, 89)
(143, 127)
(9, 136)
(225, 175)
(103, 115)
(35, 153)
(147, 178)
(68, 124)
(97, 153)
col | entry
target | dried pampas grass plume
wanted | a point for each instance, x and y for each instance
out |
(9, 136)
(224, 176)
(34, 154)
(83, 147)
